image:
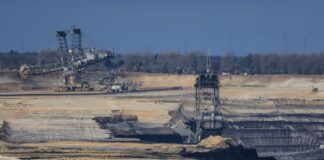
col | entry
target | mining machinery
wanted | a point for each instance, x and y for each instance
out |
(75, 60)
(208, 117)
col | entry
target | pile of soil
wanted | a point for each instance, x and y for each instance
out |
(219, 148)
(214, 142)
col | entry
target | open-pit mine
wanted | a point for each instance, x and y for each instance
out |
(63, 110)
(249, 118)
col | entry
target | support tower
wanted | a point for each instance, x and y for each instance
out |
(207, 112)
(61, 38)
(76, 37)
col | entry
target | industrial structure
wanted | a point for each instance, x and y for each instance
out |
(62, 42)
(276, 135)
(75, 60)
(208, 118)
(76, 40)
(73, 63)
(284, 136)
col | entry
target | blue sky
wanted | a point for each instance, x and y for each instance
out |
(242, 26)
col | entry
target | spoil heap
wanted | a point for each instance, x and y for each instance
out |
(214, 142)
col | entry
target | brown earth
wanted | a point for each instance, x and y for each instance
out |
(213, 142)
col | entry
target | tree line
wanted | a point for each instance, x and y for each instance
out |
(186, 63)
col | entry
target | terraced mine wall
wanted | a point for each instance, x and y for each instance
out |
(131, 128)
(83, 130)
(278, 128)
(287, 129)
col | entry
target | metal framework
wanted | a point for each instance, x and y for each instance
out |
(207, 113)
(76, 37)
(61, 38)
(207, 110)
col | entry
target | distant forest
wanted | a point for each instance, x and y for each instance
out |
(191, 62)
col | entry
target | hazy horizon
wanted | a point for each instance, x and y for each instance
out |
(183, 25)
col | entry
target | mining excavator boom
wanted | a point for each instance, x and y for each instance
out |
(76, 59)
(91, 57)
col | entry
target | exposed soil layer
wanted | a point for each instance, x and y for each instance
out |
(273, 131)
(131, 128)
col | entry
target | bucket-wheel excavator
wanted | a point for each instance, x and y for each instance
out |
(76, 60)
